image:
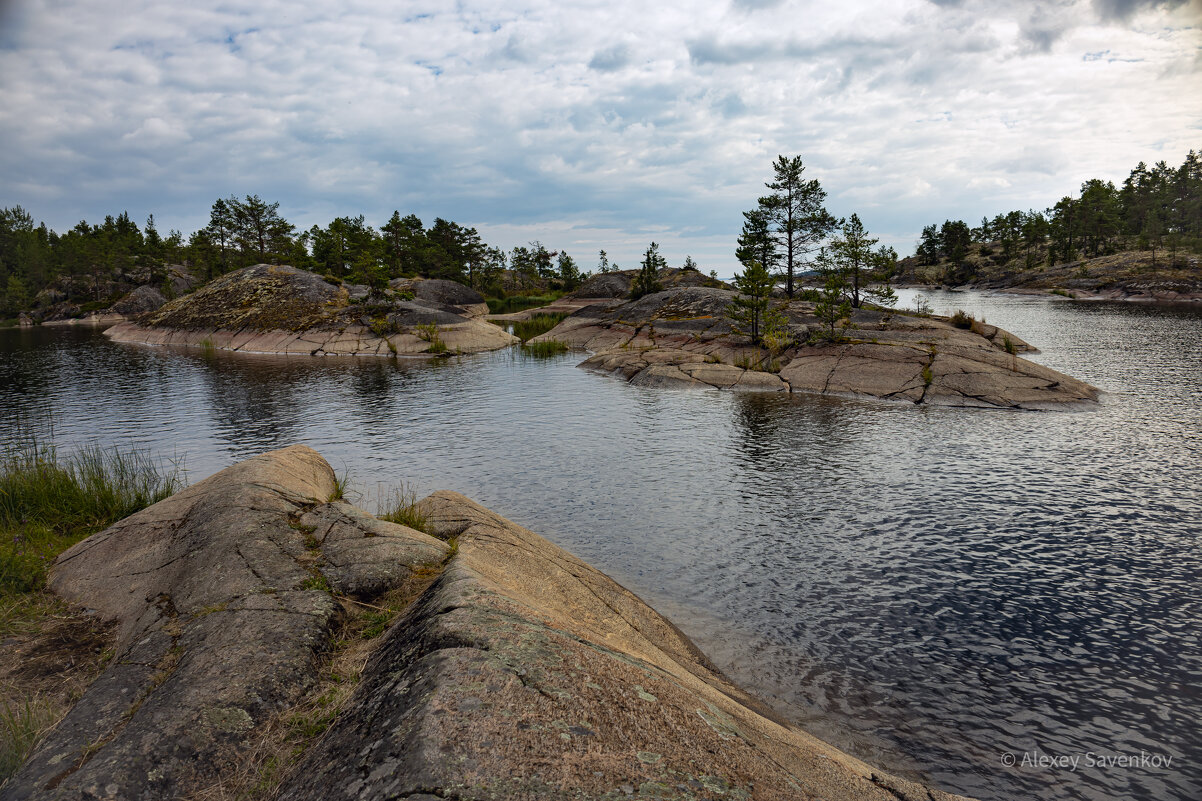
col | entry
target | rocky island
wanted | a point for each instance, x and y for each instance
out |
(239, 662)
(280, 309)
(683, 338)
(678, 337)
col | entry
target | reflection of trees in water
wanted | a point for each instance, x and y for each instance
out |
(256, 402)
(778, 435)
(25, 375)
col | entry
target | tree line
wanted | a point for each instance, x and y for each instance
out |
(85, 263)
(1156, 209)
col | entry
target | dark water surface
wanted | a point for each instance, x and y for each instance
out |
(937, 590)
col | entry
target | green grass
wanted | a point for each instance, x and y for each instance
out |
(48, 502)
(538, 324)
(20, 728)
(962, 319)
(342, 483)
(547, 347)
(401, 507)
(517, 303)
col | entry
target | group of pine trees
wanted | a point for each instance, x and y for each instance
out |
(790, 232)
(1157, 209)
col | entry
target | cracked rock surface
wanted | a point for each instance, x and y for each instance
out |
(217, 629)
(524, 673)
(682, 338)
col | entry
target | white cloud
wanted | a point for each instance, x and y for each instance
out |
(584, 123)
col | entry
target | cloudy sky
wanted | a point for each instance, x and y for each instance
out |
(587, 125)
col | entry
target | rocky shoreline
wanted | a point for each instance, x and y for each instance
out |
(1127, 276)
(512, 670)
(682, 338)
(282, 310)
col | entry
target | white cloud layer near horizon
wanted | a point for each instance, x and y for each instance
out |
(587, 125)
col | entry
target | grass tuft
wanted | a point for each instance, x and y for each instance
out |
(962, 319)
(538, 324)
(21, 726)
(546, 347)
(401, 507)
(342, 483)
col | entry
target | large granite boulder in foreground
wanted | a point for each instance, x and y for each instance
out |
(520, 673)
(280, 309)
(683, 337)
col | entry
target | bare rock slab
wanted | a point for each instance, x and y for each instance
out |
(524, 673)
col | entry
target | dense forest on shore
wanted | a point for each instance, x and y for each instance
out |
(1157, 209)
(92, 264)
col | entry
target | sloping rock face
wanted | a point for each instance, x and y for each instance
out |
(220, 618)
(142, 300)
(521, 673)
(617, 284)
(683, 338)
(264, 297)
(280, 309)
(524, 673)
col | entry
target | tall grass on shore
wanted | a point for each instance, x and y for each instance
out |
(48, 502)
(21, 726)
(526, 330)
(517, 303)
(545, 347)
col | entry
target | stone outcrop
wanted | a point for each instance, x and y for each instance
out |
(142, 300)
(1125, 276)
(617, 284)
(683, 338)
(519, 673)
(466, 300)
(280, 309)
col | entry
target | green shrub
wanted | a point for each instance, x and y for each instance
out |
(428, 332)
(962, 319)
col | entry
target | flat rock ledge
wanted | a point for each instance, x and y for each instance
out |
(520, 672)
(682, 338)
(467, 336)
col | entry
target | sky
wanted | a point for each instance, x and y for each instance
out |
(587, 125)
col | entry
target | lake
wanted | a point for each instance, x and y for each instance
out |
(972, 597)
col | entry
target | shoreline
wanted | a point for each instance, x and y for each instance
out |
(512, 653)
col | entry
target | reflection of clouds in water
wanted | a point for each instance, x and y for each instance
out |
(941, 584)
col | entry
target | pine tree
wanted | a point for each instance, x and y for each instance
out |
(866, 272)
(799, 220)
(647, 280)
(752, 312)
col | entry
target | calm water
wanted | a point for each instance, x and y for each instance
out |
(936, 590)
